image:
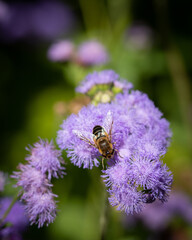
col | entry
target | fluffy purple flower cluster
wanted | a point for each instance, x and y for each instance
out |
(44, 162)
(105, 77)
(140, 135)
(88, 53)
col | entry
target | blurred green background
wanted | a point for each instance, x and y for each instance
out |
(34, 93)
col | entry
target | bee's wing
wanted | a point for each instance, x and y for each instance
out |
(108, 123)
(85, 136)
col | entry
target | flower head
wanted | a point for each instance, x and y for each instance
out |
(126, 198)
(109, 78)
(46, 158)
(61, 51)
(34, 178)
(30, 179)
(41, 208)
(92, 53)
(139, 136)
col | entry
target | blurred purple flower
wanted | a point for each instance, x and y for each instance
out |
(43, 20)
(139, 36)
(4, 12)
(140, 136)
(92, 53)
(103, 77)
(157, 216)
(61, 51)
(16, 218)
(34, 178)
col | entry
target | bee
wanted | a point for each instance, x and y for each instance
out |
(102, 138)
(103, 142)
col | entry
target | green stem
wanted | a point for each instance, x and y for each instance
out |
(104, 214)
(9, 208)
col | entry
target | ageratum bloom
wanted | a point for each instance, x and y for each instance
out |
(61, 51)
(140, 136)
(92, 53)
(34, 178)
(46, 158)
(16, 218)
(105, 77)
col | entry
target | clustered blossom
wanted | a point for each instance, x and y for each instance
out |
(88, 53)
(105, 77)
(140, 136)
(44, 162)
(16, 219)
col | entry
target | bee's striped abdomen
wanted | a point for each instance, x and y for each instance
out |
(97, 130)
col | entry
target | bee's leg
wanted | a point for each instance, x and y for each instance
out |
(88, 141)
(110, 131)
(118, 153)
(103, 162)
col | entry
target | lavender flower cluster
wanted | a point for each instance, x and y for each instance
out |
(135, 175)
(88, 53)
(44, 162)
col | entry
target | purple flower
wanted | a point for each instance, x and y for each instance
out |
(39, 201)
(41, 208)
(16, 217)
(45, 20)
(139, 36)
(4, 12)
(34, 178)
(105, 77)
(157, 216)
(92, 53)
(30, 179)
(126, 198)
(61, 51)
(148, 174)
(46, 158)
(139, 136)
